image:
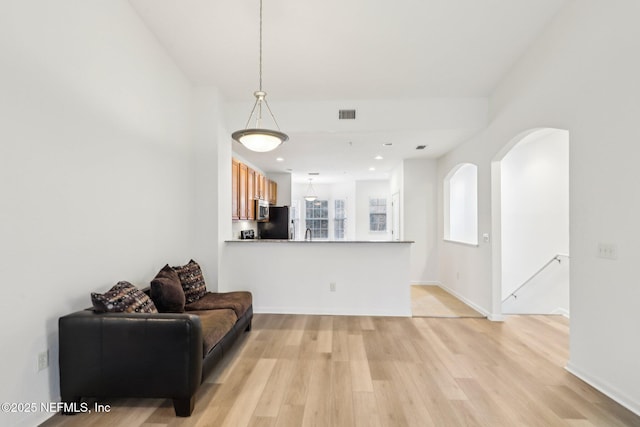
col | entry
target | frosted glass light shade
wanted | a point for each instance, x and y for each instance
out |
(260, 140)
(311, 195)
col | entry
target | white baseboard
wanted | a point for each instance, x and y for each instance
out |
(562, 312)
(496, 317)
(331, 312)
(606, 389)
(490, 316)
(427, 283)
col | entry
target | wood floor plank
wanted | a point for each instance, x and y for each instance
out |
(360, 375)
(389, 407)
(296, 393)
(275, 389)
(247, 400)
(290, 416)
(341, 395)
(365, 409)
(317, 407)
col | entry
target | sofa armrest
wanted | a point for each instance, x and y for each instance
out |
(129, 355)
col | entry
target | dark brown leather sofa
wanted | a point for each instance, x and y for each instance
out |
(157, 355)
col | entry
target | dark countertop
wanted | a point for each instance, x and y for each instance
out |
(315, 241)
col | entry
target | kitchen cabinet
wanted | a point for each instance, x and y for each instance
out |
(235, 189)
(248, 185)
(242, 191)
(251, 194)
(262, 189)
(273, 192)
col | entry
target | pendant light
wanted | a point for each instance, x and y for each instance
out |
(311, 195)
(258, 138)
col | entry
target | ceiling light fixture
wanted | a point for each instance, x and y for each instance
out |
(258, 138)
(378, 157)
(311, 195)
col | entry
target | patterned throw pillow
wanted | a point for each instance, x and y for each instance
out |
(192, 281)
(123, 297)
(166, 291)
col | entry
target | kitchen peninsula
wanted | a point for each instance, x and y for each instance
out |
(320, 277)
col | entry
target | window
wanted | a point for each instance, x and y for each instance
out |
(461, 204)
(340, 219)
(317, 218)
(377, 214)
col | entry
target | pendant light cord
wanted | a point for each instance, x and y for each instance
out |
(260, 61)
(260, 95)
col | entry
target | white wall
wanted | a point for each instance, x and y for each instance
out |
(579, 75)
(420, 218)
(535, 206)
(211, 166)
(95, 173)
(366, 190)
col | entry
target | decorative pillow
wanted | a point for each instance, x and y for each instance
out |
(123, 297)
(192, 281)
(166, 291)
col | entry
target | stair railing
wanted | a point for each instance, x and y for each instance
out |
(556, 257)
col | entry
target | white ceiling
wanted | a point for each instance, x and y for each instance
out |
(347, 50)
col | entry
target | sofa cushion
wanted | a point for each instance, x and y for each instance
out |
(123, 297)
(215, 325)
(166, 291)
(192, 281)
(238, 301)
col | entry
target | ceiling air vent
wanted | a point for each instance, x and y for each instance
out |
(347, 114)
(421, 147)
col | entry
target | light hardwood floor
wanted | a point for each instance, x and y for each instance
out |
(433, 301)
(295, 370)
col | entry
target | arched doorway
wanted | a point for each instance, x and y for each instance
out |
(530, 222)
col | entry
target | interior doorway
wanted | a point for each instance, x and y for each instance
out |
(395, 216)
(530, 221)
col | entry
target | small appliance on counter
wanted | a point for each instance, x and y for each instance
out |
(278, 226)
(247, 234)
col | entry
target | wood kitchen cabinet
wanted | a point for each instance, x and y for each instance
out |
(235, 189)
(262, 189)
(273, 192)
(242, 191)
(251, 194)
(247, 185)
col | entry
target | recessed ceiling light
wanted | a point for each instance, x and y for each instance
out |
(378, 157)
(387, 144)
(279, 159)
(372, 168)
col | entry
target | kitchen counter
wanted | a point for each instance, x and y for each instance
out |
(362, 277)
(315, 241)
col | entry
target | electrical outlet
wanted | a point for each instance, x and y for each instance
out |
(43, 360)
(607, 251)
(332, 286)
